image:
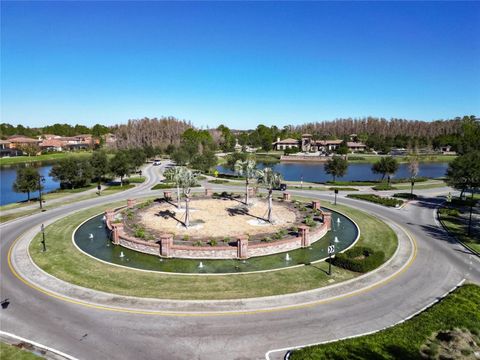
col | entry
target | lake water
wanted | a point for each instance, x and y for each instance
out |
(8, 174)
(314, 172)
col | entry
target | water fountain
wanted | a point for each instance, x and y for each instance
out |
(122, 255)
(338, 220)
(336, 239)
(287, 257)
(104, 218)
(90, 236)
(200, 266)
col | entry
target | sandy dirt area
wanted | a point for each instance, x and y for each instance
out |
(217, 218)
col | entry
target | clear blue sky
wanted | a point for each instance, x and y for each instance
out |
(238, 63)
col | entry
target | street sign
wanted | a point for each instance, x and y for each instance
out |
(336, 191)
(331, 249)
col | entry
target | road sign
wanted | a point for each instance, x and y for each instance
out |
(331, 249)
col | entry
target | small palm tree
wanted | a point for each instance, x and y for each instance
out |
(174, 175)
(186, 182)
(270, 179)
(247, 169)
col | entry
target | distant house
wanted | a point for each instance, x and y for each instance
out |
(17, 141)
(51, 145)
(447, 150)
(308, 144)
(286, 144)
(398, 151)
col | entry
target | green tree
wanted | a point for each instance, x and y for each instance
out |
(28, 180)
(137, 157)
(271, 180)
(463, 173)
(246, 169)
(99, 162)
(336, 166)
(343, 148)
(120, 165)
(387, 166)
(72, 172)
(180, 156)
(204, 162)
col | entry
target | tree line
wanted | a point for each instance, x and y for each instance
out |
(97, 130)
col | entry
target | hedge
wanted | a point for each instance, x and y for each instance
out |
(359, 259)
(405, 195)
(377, 199)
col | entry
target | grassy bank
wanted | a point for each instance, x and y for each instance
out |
(64, 261)
(461, 309)
(451, 219)
(10, 352)
(44, 157)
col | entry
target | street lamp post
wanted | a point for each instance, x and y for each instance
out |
(42, 229)
(336, 192)
(41, 179)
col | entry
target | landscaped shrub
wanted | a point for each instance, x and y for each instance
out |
(212, 242)
(359, 259)
(218, 181)
(198, 243)
(377, 199)
(384, 186)
(139, 233)
(266, 239)
(310, 222)
(405, 196)
(449, 212)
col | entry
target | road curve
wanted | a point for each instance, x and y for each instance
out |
(87, 333)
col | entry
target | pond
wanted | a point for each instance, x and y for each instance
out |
(8, 174)
(314, 172)
(94, 238)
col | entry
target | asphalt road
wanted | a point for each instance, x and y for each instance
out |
(87, 333)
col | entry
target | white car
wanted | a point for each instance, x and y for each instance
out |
(156, 163)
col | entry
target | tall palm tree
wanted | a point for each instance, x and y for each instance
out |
(187, 181)
(174, 175)
(270, 179)
(247, 169)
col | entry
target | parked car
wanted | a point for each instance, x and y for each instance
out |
(282, 187)
(156, 162)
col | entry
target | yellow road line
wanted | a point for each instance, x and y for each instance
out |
(219, 313)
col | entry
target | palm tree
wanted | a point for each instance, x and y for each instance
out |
(247, 169)
(186, 182)
(270, 179)
(174, 175)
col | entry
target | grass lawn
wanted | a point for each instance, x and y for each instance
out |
(461, 309)
(10, 352)
(44, 157)
(64, 261)
(430, 185)
(458, 228)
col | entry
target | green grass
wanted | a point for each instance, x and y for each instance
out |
(431, 185)
(365, 158)
(460, 309)
(384, 186)
(385, 201)
(458, 227)
(64, 261)
(10, 352)
(136, 179)
(45, 157)
(342, 189)
(218, 181)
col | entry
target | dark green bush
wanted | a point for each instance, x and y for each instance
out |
(405, 196)
(218, 181)
(384, 186)
(377, 199)
(359, 259)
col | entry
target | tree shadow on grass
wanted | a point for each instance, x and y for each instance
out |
(438, 233)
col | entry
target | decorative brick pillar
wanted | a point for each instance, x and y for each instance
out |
(166, 244)
(167, 195)
(117, 230)
(327, 220)
(208, 192)
(242, 247)
(303, 232)
(131, 203)
(316, 204)
(286, 196)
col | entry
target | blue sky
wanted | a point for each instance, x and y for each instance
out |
(237, 63)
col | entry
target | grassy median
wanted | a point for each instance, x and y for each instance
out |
(64, 261)
(10, 352)
(434, 334)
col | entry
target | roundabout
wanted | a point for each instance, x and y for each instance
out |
(65, 308)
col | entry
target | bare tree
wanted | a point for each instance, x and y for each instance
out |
(187, 181)
(413, 170)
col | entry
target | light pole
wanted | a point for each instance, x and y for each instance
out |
(42, 229)
(336, 192)
(41, 179)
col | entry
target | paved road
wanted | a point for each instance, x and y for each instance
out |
(98, 334)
